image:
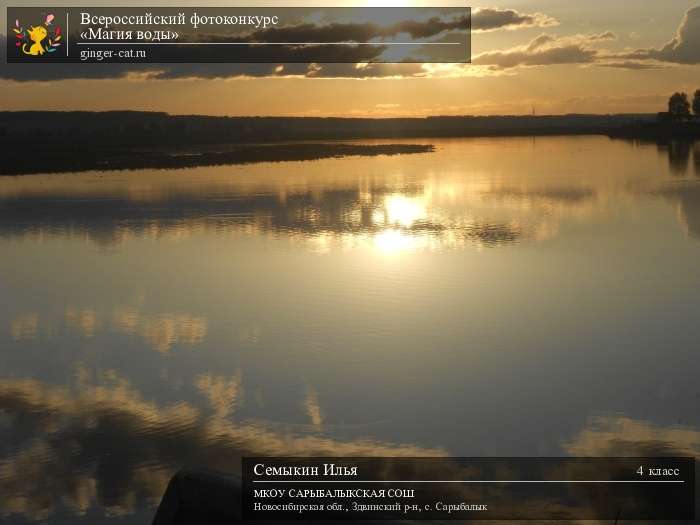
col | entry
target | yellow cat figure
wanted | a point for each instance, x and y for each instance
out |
(37, 35)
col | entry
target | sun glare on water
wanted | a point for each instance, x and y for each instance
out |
(399, 214)
(403, 211)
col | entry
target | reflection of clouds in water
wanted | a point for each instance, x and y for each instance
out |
(161, 331)
(249, 334)
(222, 392)
(427, 215)
(438, 216)
(83, 321)
(37, 503)
(313, 407)
(624, 437)
(25, 326)
(554, 199)
(489, 199)
(105, 445)
(419, 237)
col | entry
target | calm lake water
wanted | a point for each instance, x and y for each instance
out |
(515, 297)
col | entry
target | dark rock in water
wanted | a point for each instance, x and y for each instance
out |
(196, 497)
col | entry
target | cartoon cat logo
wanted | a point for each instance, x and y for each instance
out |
(37, 40)
(37, 35)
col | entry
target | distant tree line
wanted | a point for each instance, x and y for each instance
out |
(679, 107)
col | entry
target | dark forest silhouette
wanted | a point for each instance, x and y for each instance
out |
(49, 142)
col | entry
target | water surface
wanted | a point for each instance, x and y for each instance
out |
(519, 297)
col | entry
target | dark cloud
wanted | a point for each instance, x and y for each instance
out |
(602, 37)
(345, 60)
(541, 51)
(490, 19)
(634, 65)
(487, 19)
(684, 48)
(358, 32)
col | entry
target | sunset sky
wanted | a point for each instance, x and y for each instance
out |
(554, 56)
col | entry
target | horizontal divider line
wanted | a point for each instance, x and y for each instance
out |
(475, 481)
(270, 43)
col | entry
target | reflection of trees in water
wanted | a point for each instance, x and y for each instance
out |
(686, 196)
(679, 154)
(687, 200)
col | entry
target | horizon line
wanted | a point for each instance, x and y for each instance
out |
(330, 116)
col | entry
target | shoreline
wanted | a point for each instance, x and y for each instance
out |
(659, 131)
(56, 160)
(56, 142)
